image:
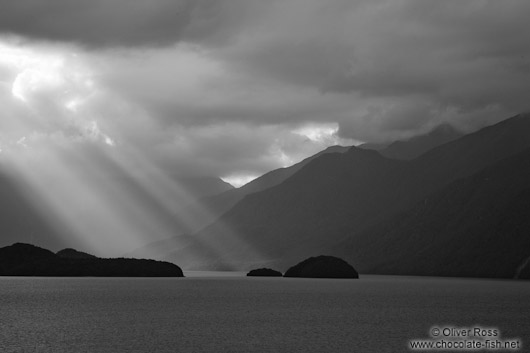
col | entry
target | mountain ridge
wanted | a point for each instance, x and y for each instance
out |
(216, 205)
(475, 226)
(294, 219)
(418, 145)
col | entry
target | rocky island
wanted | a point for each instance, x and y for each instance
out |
(322, 267)
(264, 272)
(28, 260)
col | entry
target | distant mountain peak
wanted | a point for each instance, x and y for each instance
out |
(362, 151)
(418, 145)
(382, 214)
(443, 129)
(336, 149)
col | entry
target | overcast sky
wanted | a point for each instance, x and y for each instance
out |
(234, 88)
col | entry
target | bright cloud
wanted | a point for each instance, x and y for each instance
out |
(49, 86)
(239, 180)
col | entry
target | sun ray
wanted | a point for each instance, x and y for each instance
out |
(103, 194)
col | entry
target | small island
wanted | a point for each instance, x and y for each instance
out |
(264, 272)
(28, 260)
(322, 267)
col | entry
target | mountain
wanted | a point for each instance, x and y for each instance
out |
(290, 218)
(173, 204)
(418, 145)
(28, 260)
(221, 203)
(339, 197)
(476, 226)
(210, 208)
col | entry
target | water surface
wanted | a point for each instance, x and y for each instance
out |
(206, 313)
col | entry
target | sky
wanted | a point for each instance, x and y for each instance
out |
(232, 89)
(235, 88)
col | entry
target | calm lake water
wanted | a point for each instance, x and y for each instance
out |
(238, 314)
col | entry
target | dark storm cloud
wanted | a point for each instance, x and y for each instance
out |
(98, 22)
(210, 72)
(431, 60)
(461, 53)
(128, 23)
(409, 63)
